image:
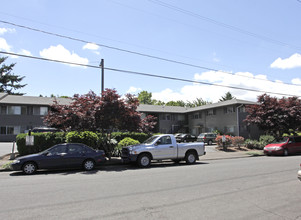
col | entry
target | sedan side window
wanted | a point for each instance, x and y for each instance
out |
(57, 150)
(75, 149)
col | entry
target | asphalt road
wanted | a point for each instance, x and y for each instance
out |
(246, 188)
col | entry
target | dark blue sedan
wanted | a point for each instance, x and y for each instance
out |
(67, 155)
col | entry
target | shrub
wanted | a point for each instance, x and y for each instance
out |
(141, 137)
(266, 139)
(85, 137)
(127, 142)
(254, 144)
(237, 141)
(228, 141)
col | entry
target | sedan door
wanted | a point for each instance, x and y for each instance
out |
(75, 155)
(53, 157)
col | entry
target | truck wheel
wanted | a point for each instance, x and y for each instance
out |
(210, 142)
(190, 157)
(144, 160)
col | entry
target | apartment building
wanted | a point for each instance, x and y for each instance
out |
(21, 113)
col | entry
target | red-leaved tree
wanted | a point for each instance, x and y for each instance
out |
(276, 116)
(104, 113)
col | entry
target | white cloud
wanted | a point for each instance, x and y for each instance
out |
(293, 61)
(59, 52)
(91, 46)
(7, 30)
(25, 52)
(4, 45)
(133, 90)
(214, 93)
(296, 81)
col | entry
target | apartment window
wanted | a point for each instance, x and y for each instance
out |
(242, 109)
(229, 109)
(14, 110)
(181, 117)
(211, 112)
(10, 130)
(3, 110)
(40, 110)
(24, 110)
(43, 110)
(229, 129)
(2, 130)
(168, 117)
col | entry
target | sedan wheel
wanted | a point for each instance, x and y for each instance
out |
(210, 142)
(29, 168)
(89, 165)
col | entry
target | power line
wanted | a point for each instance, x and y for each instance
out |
(138, 53)
(146, 74)
(233, 28)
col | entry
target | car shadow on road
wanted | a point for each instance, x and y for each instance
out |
(154, 165)
(60, 171)
(107, 168)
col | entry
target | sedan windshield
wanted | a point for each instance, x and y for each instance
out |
(281, 141)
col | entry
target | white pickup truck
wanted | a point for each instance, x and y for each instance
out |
(161, 147)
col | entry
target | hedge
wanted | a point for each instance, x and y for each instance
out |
(86, 137)
(141, 137)
(42, 141)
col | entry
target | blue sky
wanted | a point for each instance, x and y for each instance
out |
(253, 44)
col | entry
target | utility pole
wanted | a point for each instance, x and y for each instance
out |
(102, 75)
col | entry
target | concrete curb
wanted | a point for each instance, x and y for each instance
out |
(116, 161)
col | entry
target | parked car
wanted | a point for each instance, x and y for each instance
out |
(44, 129)
(299, 173)
(67, 155)
(286, 146)
(177, 135)
(162, 147)
(186, 138)
(208, 138)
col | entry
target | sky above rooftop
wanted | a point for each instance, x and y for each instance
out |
(253, 45)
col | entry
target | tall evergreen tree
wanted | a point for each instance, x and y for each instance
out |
(8, 81)
(228, 96)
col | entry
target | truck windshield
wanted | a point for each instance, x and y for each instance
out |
(150, 140)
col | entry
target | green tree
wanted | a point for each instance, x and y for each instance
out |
(8, 81)
(228, 96)
(176, 103)
(145, 97)
(197, 102)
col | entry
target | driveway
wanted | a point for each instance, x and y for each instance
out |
(6, 148)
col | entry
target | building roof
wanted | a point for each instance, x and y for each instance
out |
(222, 104)
(178, 109)
(31, 100)
(35, 100)
(161, 108)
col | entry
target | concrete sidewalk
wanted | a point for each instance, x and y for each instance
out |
(115, 161)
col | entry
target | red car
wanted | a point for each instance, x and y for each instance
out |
(287, 146)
